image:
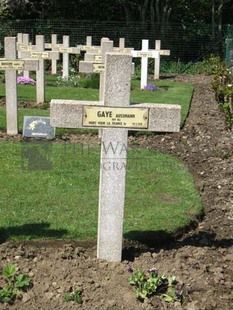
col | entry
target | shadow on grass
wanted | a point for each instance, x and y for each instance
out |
(31, 231)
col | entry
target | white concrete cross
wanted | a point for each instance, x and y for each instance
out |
(94, 59)
(51, 46)
(65, 49)
(157, 60)
(95, 62)
(115, 116)
(37, 51)
(144, 54)
(88, 46)
(23, 40)
(122, 47)
(11, 65)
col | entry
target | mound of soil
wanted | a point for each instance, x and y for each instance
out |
(201, 258)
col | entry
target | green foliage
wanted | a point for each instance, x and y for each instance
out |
(178, 67)
(151, 284)
(15, 284)
(75, 296)
(90, 81)
(222, 84)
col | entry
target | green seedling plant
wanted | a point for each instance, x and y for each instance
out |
(150, 283)
(75, 296)
(15, 285)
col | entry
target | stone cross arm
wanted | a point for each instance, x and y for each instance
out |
(69, 50)
(70, 114)
(164, 52)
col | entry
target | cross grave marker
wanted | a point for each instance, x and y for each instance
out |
(115, 116)
(95, 62)
(22, 41)
(144, 54)
(51, 46)
(37, 51)
(11, 65)
(65, 50)
(157, 60)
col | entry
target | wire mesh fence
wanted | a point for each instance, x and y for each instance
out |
(189, 43)
(229, 47)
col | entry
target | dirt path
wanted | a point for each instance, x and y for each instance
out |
(202, 259)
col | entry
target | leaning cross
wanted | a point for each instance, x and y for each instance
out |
(116, 117)
(11, 65)
(144, 54)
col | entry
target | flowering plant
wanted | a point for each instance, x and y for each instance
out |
(25, 80)
(71, 80)
(151, 87)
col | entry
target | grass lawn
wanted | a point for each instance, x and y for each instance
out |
(171, 92)
(63, 202)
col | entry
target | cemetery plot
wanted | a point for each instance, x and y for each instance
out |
(72, 114)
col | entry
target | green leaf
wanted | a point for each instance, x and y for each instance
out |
(74, 296)
(7, 295)
(9, 271)
(22, 281)
(167, 298)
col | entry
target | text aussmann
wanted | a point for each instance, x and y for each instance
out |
(109, 114)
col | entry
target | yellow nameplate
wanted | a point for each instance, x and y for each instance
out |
(145, 54)
(24, 48)
(65, 50)
(99, 116)
(12, 64)
(98, 68)
(98, 58)
(40, 55)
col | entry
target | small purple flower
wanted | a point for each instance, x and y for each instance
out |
(151, 87)
(130, 269)
(153, 270)
(25, 80)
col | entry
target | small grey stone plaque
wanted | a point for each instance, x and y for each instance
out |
(38, 127)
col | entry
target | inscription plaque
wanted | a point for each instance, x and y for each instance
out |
(149, 54)
(97, 68)
(38, 127)
(99, 116)
(12, 64)
(24, 48)
(98, 58)
(44, 55)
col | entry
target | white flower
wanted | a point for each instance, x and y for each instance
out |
(33, 124)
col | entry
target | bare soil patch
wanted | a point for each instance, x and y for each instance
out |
(201, 258)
